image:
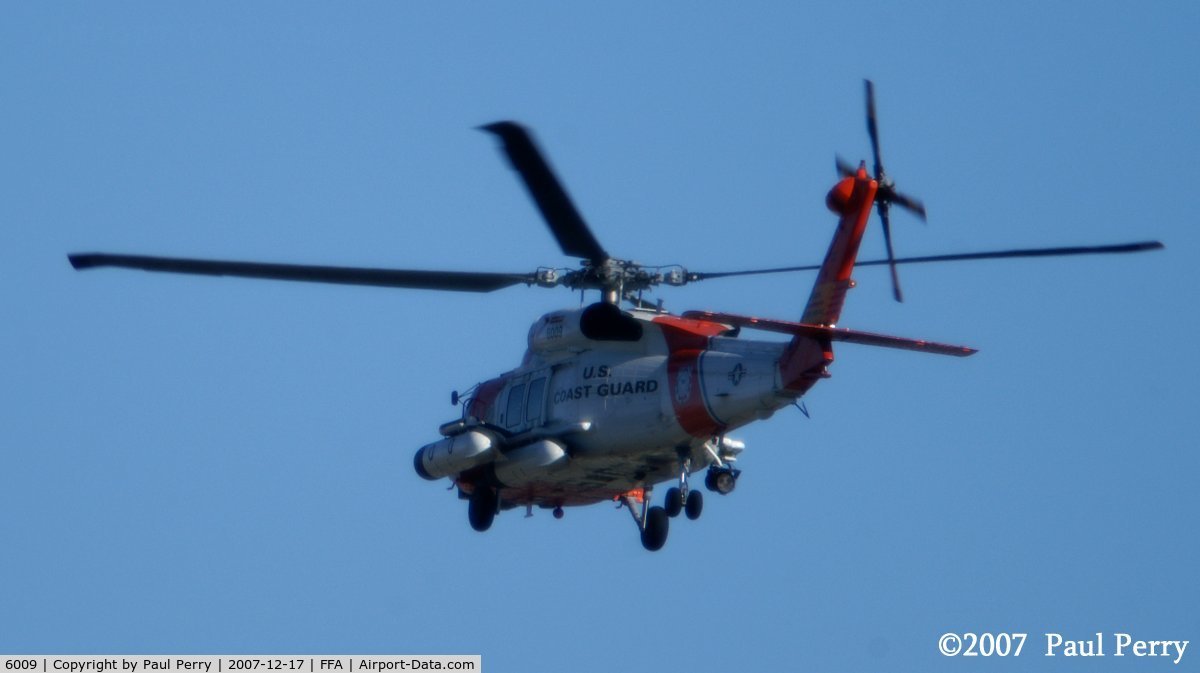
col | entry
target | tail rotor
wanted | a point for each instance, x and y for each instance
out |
(887, 194)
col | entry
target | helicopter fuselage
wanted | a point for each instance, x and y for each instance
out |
(608, 401)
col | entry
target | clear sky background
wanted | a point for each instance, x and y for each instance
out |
(198, 465)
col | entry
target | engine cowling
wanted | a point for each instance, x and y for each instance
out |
(453, 455)
(578, 329)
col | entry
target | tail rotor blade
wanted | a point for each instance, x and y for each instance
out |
(909, 203)
(873, 129)
(887, 194)
(891, 255)
(844, 168)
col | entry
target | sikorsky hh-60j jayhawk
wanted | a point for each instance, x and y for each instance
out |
(610, 402)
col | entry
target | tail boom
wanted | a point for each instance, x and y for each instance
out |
(810, 352)
(852, 199)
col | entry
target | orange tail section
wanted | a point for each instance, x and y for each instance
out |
(852, 199)
(804, 361)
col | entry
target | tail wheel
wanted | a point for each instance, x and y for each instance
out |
(674, 503)
(658, 524)
(694, 505)
(725, 482)
(481, 508)
(721, 481)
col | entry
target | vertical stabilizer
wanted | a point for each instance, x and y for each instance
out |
(851, 199)
(804, 360)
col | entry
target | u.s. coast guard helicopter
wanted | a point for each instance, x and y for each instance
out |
(609, 402)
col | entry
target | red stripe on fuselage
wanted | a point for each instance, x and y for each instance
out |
(686, 341)
(687, 394)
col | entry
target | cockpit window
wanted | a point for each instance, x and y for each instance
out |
(533, 408)
(516, 397)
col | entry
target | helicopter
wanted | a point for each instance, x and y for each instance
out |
(618, 397)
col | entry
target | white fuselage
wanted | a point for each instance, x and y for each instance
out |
(603, 416)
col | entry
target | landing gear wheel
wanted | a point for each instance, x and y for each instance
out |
(721, 480)
(481, 508)
(658, 524)
(674, 503)
(694, 505)
(725, 482)
(558, 512)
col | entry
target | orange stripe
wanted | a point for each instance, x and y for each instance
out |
(687, 397)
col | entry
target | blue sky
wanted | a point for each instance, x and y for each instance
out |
(211, 465)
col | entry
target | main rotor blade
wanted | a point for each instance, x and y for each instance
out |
(1067, 251)
(552, 200)
(1140, 246)
(459, 281)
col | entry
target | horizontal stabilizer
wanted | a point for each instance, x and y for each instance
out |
(832, 333)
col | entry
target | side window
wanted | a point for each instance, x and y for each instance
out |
(533, 408)
(516, 395)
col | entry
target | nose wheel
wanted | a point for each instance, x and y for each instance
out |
(687, 501)
(693, 505)
(683, 498)
(654, 522)
(674, 502)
